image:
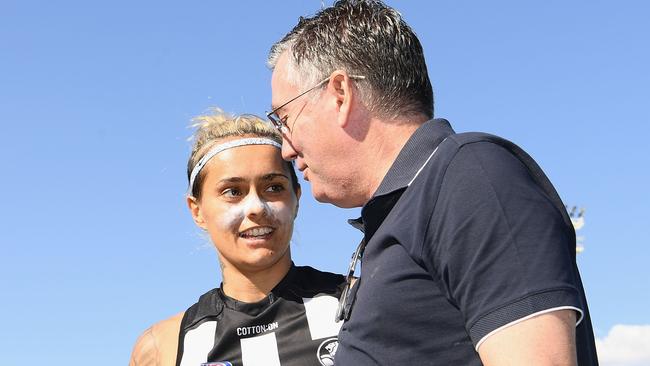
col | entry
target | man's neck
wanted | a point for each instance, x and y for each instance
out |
(384, 143)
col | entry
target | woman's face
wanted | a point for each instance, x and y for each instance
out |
(247, 206)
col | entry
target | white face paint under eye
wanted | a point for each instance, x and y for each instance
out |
(280, 212)
(232, 217)
(277, 213)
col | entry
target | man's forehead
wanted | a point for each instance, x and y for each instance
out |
(281, 87)
(281, 70)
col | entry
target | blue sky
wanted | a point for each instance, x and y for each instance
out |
(95, 102)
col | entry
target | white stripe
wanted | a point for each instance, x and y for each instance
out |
(530, 316)
(320, 313)
(426, 162)
(260, 351)
(198, 343)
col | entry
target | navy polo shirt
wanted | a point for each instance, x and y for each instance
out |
(460, 243)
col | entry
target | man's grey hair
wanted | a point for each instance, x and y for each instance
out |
(366, 38)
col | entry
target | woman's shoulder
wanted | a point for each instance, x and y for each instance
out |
(311, 280)
(157, 345)
(313, 273)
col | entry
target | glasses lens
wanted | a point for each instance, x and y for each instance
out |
(274, 120)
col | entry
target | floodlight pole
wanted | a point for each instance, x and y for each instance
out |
(577, 216)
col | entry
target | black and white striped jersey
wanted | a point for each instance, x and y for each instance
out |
(293, 326)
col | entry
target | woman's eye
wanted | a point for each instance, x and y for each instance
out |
(231, 192)
(275, 188)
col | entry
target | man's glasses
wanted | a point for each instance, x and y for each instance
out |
(281, 123)
(349, 294)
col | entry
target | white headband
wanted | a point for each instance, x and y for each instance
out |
(225, 146)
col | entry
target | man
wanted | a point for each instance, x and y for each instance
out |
(468, 252)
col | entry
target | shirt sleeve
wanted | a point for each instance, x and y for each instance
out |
(498, 244)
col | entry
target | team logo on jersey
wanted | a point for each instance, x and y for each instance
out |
(327, 350)
(221, 363)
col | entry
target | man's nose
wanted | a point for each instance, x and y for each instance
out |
(289, 152)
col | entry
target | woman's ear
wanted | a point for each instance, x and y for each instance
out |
(195, 209)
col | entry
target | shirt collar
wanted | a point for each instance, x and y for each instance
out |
(413, 155)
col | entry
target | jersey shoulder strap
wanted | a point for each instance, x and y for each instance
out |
(209, 307)
(307, 282)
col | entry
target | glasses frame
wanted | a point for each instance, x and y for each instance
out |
(281, 123)
(347, 296)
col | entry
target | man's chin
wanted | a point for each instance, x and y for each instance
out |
(340, 200)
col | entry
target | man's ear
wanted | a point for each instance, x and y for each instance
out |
(340, 86)
(195, 209)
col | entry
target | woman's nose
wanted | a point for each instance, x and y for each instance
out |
(255, 206)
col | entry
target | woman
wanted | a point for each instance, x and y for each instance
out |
(266, 311)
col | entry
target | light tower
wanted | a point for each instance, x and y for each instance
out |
(578, 220)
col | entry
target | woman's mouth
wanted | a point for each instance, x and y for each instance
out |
(258, 232)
